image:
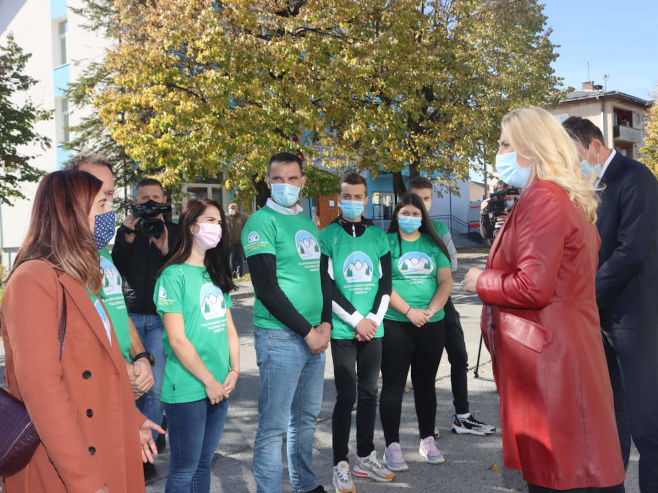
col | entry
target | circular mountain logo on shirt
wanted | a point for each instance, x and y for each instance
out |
(253, 237)
(307, 245)
(111, 278)
(162, 293)
(358, 268)
(415, 263)
(212, 302)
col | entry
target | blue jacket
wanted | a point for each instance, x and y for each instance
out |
(628, 260)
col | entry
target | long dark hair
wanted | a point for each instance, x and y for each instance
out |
(217, 259)
(59, 227)
(426, 226)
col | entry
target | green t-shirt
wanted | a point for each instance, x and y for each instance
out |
(355, 262)
(112, 297)
(187, 289)
(294, 241)
(98, 305)
(440, 228)
(414, 269)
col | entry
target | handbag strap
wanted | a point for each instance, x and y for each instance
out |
(61, 333)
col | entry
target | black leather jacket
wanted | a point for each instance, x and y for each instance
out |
(139, 263)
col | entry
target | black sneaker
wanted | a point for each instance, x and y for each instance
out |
(318, 489)
(149, 472)
(471, 426)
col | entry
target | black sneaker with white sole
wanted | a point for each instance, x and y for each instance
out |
(471, 426)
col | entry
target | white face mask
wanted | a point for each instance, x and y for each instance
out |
(231, 212)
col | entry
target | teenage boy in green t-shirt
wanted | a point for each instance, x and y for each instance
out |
(463, 421)
(356, 254)
(292, 323)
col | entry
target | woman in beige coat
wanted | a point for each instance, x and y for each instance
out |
(92, 437)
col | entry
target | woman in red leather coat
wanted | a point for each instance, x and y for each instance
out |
(540, 318)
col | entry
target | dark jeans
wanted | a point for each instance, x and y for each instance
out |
(610, 489)
(458, 357)
(632, 356)
(366, 357)
(194, 432)
(403, 345)
(237, 259)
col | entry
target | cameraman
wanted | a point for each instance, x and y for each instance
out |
(494, 210)
(139, 258)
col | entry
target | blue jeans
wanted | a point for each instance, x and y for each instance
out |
(194, 432)
(290, 398)
(150, 330)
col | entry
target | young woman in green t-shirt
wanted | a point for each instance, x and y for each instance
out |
(201, 343)
(414, 332)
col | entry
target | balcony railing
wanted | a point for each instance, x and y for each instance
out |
(627, 134)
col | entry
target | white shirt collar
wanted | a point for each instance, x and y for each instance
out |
(283, 210)
(605, 166)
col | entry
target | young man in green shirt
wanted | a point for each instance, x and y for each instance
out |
(463, 421)
(283, 253)
(356, 255)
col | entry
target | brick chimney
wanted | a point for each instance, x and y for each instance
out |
(588, 86)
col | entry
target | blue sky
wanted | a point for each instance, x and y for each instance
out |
(618, 38)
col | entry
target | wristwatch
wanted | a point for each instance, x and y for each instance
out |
(146, 355)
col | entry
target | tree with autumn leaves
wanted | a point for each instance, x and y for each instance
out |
(380, 85)
(650, 149)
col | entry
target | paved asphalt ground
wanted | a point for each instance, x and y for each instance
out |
(473, 464)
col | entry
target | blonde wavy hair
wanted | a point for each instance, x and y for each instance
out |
(536, 135)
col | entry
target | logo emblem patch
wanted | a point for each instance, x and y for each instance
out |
(415, 263)
(358, 268)
(212, 302)
(307, 245)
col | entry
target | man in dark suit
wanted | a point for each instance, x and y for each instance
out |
(626, 290)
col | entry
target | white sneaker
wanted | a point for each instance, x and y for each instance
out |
(342, 478)
(394, 459)
(428, 451)
(370, 467)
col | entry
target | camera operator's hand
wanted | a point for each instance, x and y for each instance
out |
(130, 222)
(501, 218)
(483, 206)
(163, 242)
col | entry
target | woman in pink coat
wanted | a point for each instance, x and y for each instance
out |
(540, 318)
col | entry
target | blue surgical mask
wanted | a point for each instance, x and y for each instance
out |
(510, 172)
(409, 224)
(285, 194)
(104, 229)
(509, 204)
(590, 169)
(352, 208)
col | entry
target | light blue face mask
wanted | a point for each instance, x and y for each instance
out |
(590, 169)
(352, 208)
(509, 204)
(285, 194)
(510, 172)
(409, 224)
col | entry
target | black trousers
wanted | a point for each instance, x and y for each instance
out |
(421, 348)
(237, 259)
(632, 356)
(356, 369)
(610, 489)
(458, 357)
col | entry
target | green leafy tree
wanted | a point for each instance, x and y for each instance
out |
(17, 123)
(650, 149)
(379, 85)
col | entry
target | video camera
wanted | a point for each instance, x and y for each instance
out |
(148, 223)
(498, 203)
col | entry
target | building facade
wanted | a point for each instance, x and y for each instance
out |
(621, 117)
